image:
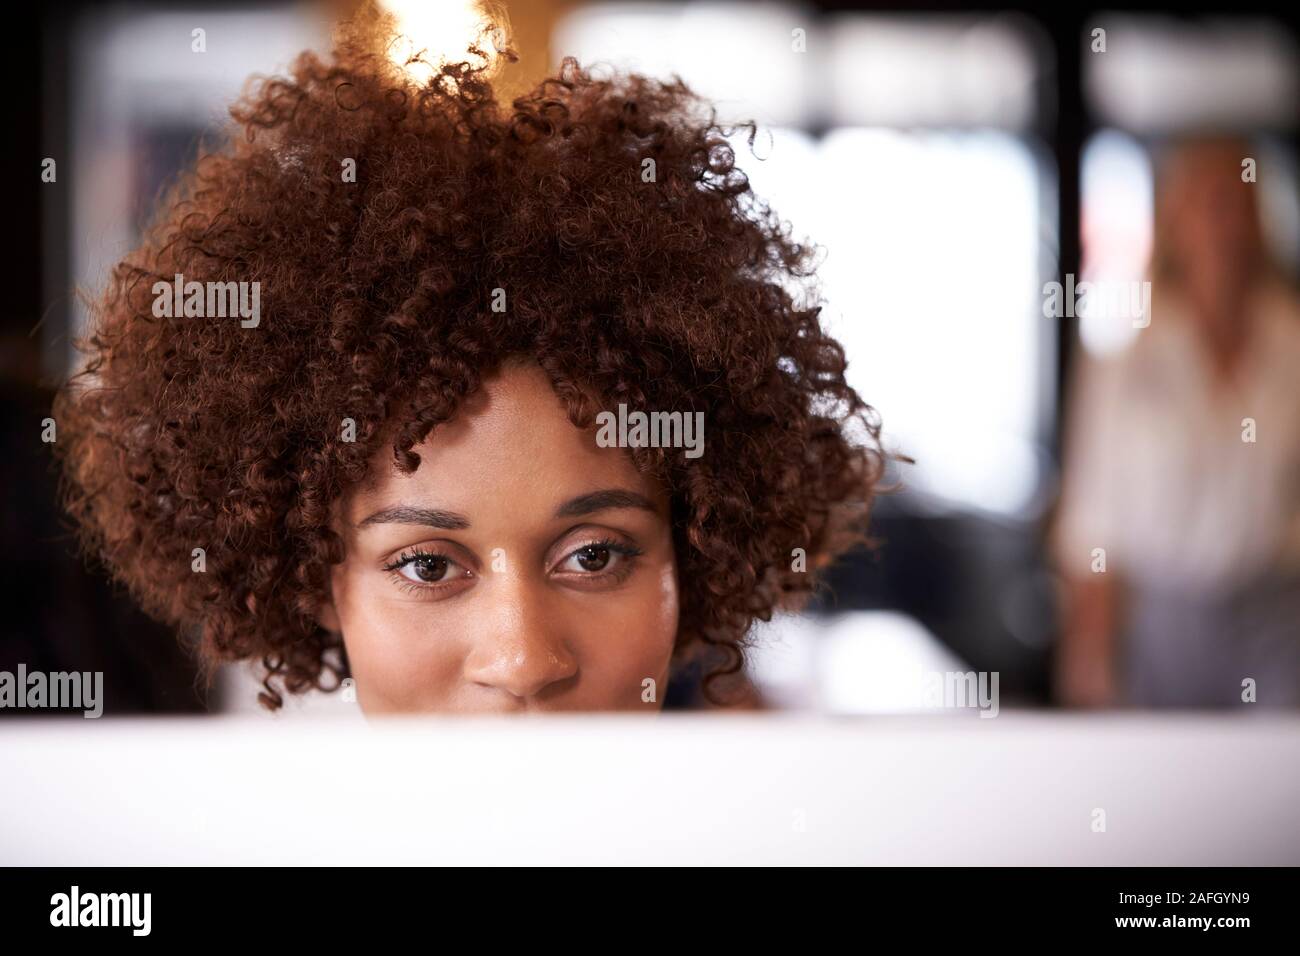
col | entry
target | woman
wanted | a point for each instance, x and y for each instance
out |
(1180, 520)
(340, 412)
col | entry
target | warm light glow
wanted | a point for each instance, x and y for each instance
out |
(438, 30)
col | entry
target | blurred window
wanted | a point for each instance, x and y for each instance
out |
(1158, 78)
(143, 99)
(903, 146)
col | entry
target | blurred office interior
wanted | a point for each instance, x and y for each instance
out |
(950, 160)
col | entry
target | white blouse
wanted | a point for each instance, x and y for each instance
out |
(1160, 470)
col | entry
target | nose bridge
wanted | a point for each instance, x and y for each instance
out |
(519, 645)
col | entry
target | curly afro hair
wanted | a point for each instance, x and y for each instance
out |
(640, 269)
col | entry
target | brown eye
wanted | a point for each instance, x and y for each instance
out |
(593, 557)
(429, 569)
(598, 561)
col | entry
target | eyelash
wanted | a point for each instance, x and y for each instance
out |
(410, 557)
(629, 553)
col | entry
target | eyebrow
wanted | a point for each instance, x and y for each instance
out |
(589, 503)
(602, 500)
(432, 517)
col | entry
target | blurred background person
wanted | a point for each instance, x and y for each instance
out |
(1179, 528)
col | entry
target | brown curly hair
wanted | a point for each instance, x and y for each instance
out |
(674, 291)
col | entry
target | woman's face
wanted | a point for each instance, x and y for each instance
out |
(1213, 229)
(520, 568)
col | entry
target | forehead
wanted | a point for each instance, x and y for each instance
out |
(510, 449)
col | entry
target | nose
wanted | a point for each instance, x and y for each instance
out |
(520, 647)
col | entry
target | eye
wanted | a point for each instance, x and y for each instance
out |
(599, 557)
(593, 557)
(424, 568)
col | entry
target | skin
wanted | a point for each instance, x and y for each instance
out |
(1215, 245)
(535, 591)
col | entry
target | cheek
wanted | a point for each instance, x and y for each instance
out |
(668, 610)
(631, 638)
(400, 659)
